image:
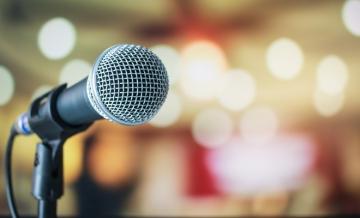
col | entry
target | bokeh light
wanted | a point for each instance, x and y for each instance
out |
(238, 90)
(351, 16)
(41, 90)
(74, 71)
(332, 75)
(252, 169)
(203, 62)
(73, 158)
(171, 59)
(328, 104)
(57, 38)
(212, 127)
(259, 125)
(7, 85)
(112, 159)
(284, 58)
(170, 112)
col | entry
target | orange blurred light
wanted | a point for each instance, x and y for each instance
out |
(73, 156)
(112, 159)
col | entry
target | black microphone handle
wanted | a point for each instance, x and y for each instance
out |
(74, 107)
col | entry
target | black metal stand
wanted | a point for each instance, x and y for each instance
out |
(48, 185)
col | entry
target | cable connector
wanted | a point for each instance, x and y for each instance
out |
(22, 125)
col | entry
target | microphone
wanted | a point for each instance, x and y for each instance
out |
(127, 85)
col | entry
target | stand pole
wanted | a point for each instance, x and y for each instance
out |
(48, 178)
(46, 209)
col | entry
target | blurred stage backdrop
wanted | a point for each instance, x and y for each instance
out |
(262, 117)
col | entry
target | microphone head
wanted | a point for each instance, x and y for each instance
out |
(128, 84)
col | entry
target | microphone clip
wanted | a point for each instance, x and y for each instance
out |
(45, 121)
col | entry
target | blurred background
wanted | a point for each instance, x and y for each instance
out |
(262, 117)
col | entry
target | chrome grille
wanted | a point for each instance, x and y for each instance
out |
(128, 85)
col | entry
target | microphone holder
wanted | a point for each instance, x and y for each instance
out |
(47, 182)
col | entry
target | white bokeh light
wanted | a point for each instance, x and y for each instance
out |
(40, 91)
(171, 59)
(328, 105)
(256, 169)
(284, 58)
(332, 75)
(57, 38)
(237, 90)
(7, 86)
(74, 71)
(203, 63)
(259, 125)
(170, 112)
(351, 16)
(212, 128)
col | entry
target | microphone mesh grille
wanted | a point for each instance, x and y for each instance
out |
(129, 84)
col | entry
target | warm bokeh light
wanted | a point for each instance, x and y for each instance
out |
(170, 112)
(271, 204)
(171, 59)
(112, 159)
(57, 38)
(74, 71)
(284, 58)
(328, 104)
(203, 62)
(252, 169)
(258, 125)
(7, 85)
(73, 158)
(212, 127)
(351, 16)
(41, 90)
(237, 90)
(332, 75)
(67, 204)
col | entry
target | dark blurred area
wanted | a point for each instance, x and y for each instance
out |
(262, 116)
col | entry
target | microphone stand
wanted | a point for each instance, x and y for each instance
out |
(47, 182)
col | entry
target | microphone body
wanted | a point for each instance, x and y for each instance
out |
(74, 107)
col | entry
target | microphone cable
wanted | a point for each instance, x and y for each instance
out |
(8, 177)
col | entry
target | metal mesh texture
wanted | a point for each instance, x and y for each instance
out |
(129, 86)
